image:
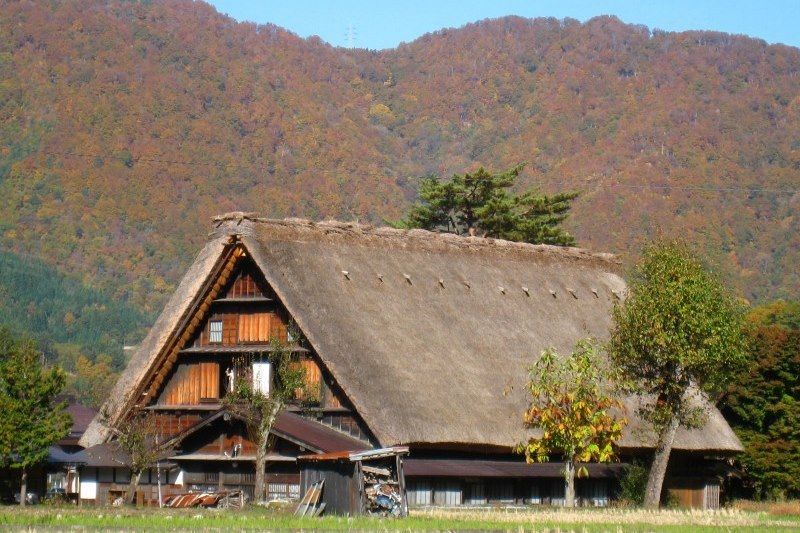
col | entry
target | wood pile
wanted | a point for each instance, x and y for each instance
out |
(381, 491)
(228, 499)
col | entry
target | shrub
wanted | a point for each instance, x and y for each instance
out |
(633, 484)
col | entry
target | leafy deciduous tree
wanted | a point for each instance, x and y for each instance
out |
(259, 409)
(678, 330)
(572, 406)
(763, 404)
(480, 202)
(31, 420)
(142, 441)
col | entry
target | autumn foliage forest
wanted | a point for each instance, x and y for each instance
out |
(124, 126)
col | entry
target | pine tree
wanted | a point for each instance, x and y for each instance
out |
(31, 419)
(481, 203)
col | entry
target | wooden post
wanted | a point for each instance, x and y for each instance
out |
(359, 480)
(401, 479)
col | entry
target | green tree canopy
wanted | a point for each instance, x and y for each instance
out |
(481, 202)
(571, 405)
(763, 404)
(31, 420)
(678, 330)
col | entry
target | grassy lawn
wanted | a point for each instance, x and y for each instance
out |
(42, 518)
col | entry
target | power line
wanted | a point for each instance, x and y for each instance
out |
(709, 189)
(655, 187)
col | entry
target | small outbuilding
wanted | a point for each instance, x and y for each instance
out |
(355, 483)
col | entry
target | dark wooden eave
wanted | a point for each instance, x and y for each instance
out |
(500, 468)
(238, 348)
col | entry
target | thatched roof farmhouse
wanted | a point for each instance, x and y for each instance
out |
(418, 339)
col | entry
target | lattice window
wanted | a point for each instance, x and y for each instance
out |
(215, 331)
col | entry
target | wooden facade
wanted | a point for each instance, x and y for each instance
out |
(239, 325)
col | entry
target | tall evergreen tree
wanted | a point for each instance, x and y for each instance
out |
(480, 203)
(31, 420)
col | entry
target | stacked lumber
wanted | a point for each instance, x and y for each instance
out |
(233, 499)
(310, 504)
(382, 492)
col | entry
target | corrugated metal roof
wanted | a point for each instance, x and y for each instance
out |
(314, 434)
(356, 455)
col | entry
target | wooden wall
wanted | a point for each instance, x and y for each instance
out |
(191, 383)
(174, 423)
(245, 324)
(247, 283)
(694, 493)
(341, 490)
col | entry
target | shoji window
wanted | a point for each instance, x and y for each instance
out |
(475, 494)
(598, 492)
(534, 494)
(215, 331)
(447, 493)
(501, 491)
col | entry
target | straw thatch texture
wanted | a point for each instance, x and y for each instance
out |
(426, 332)
(430, 335)
(162, 330)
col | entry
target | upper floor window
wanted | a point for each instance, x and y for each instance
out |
(215, 331)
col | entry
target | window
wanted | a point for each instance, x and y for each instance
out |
(283, 491)
(447, 493)
(419, 492)
(215, 331)
(475, 494)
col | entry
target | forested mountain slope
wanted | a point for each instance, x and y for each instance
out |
(124, 126)
(53, 308)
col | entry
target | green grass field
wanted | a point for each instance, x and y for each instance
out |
(541, 520)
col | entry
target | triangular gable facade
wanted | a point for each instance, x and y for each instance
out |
(223, 310)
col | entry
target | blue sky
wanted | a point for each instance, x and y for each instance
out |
(384, 24)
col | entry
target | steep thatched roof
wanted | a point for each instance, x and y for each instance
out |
(427, 332)
(151, 347)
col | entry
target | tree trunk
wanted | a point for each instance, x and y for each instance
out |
(133, 484)
(261, 466)
(261, 454)
(23, 487)
(569, 483)
(655, 479)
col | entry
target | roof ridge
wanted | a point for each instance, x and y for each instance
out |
(331, 225)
